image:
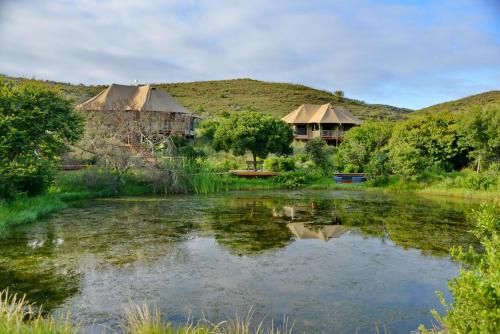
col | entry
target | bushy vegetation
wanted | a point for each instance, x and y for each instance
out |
(476, 291)
(279, 164)
(363, 149)
(317, 151)
(36, 125)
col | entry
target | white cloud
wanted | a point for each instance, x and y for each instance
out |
(402, 54)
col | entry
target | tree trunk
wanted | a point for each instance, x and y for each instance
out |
(254, 162)
(478, 164)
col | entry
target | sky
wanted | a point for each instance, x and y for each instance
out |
(404, 53)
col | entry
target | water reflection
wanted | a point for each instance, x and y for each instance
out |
(239, 248)
(325, 233)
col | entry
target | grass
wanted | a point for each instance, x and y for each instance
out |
(482, 100)
(17, 316)
(28, 209)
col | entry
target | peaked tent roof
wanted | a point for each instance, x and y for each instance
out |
(327, 232)
(133, 98)
(325, 113)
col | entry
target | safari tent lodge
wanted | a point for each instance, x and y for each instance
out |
(145, 105)
(321, 121)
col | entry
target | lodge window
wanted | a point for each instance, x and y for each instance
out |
(301, 129)
(315, 126)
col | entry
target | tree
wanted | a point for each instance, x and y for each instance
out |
(316, 149)
(36, 125)
(434, 138)
(251, 131)
(363, 146)
(480, 128)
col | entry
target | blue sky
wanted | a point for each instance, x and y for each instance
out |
(404, 53)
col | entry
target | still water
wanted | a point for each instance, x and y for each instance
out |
(333, 262)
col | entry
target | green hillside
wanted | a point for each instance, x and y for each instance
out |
(278, 99)
(483, 99)
(208, 98)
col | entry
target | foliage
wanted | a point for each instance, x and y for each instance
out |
(296, 179)
(362, 148)
(316, 149)
(473, 181)
(36, 125)
(207, 128)
(426, 142)
(406, 160)
(254, 132)
(480, 128)
(476, 291)
(279, 164)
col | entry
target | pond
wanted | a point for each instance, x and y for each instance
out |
(332, 261)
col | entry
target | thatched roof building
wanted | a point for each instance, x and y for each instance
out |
(326, 121)
(141, 106)
(133, 98)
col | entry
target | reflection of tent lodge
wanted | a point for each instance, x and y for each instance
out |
(172, 117)
(321, 121)
(325, 233)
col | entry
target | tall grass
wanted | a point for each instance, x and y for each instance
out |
(17, 316)
(28, 209)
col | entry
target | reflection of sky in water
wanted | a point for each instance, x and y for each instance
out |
(222, 254)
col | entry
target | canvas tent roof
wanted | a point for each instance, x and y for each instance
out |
(133, 98)
(321, 114)
(327, 232)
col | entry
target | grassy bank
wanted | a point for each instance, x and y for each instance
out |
(17, 316)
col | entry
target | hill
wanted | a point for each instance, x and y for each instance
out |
(208, 98)
(482, 99)
(277, 99)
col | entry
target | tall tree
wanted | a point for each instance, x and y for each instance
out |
(36, 125)
(434, 138)
(480, 128)
(250, 131)
(362, 144)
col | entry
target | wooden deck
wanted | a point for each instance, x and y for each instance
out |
(252, 173)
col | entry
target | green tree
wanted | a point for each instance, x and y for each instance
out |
(36, 124)
(316, 149)
(480, 128)
(251, 131)
(363, 144)
(431, 140)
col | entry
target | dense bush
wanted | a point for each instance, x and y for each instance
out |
(279, 164)
(476, 291)
(425, 142)
(36, 125)
(362, 149)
